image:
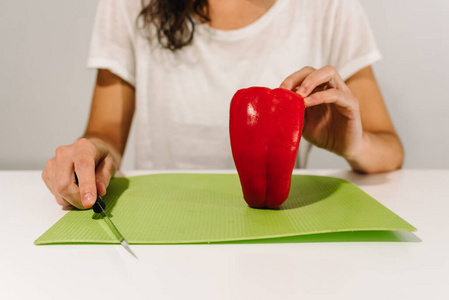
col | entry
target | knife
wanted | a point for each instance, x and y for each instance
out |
(99, 207)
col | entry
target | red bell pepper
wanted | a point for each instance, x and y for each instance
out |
(265, 128)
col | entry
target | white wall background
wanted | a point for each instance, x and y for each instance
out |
(45, 89)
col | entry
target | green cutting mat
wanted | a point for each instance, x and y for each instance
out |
(201, 208)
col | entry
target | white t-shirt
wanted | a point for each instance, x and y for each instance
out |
(183, 97)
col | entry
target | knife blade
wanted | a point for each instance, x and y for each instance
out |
(99, 207)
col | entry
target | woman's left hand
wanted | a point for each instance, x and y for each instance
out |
(332, 118)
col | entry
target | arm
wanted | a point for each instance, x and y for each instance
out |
(348, 118)
(381, 149)
(111, 113)
(97, 155)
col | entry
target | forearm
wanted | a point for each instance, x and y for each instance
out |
(379, 152)
(111, 115)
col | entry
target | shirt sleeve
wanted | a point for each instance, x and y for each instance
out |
(352, 46)
(112, 41)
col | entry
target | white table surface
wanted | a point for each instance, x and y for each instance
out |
(416, 268)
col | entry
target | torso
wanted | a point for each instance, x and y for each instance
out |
(182, 97)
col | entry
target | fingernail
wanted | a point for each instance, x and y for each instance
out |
(102, 184)
(102, 190)
(88, 199)
(302, 90)
(307, 101)
(67, 207)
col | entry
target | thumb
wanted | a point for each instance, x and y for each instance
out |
(103, 174)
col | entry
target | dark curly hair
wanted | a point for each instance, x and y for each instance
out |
(173, 20)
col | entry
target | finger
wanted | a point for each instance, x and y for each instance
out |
(48, 175)
(331, 96)
(85, 170)
(84, 164)
(46, 179)
(67, 207)
(295, 79)
(326, 75)
(60, 200)
(66, 191)
(105, 171)
(63, 202)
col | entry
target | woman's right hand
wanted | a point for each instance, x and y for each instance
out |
(94, 167)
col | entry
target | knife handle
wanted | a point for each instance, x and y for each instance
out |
(99, 205)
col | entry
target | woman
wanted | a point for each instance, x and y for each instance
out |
(177, 64)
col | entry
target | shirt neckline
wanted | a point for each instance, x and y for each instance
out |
(245, 31)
